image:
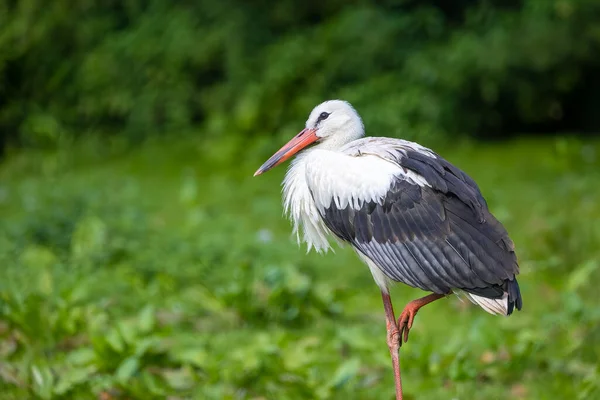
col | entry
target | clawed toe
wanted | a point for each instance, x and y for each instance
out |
(405, 323)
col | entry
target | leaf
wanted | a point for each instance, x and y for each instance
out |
(146, 319)
(81, 356)
(128, 330)
(179, 379)
(345, 372)
(42, 381)
(194, 356)
(580, 276)
(115, 341)
(127, 369)
(73, 377)
(142, 346)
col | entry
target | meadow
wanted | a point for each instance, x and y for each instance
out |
(168, 271)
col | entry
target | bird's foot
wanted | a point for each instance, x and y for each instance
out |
(405, 322)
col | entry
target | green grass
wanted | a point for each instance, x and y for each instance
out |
(169, 271)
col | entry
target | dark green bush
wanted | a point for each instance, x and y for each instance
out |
(428, 69)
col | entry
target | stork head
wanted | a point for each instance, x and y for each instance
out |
(335, 121)
(332, 124)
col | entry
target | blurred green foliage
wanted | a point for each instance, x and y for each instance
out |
(429, 68)
(155, 275)
(166, 272)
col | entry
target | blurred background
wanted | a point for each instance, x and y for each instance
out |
(139, 259)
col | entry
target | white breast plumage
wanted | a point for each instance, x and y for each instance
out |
(300, 207)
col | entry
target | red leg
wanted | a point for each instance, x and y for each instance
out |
(407, 317)
(393, 341)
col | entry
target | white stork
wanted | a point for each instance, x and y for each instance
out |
(409, 214)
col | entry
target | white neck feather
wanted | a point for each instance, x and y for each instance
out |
(300, 207)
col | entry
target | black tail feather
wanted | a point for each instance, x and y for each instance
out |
(514, 296)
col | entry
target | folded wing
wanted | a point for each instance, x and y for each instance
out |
(432, 229)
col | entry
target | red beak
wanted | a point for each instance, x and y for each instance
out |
(300, 141)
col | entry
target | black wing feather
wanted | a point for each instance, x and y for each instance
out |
(438, 237)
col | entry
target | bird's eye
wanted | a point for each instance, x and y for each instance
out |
(323, 116)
